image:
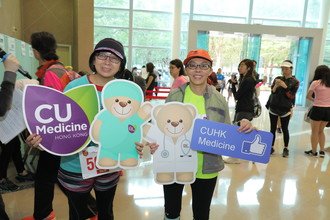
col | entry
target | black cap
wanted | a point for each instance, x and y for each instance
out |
(109, 45)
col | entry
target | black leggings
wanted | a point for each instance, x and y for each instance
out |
(104, 202)
(11, 150)
(45, 179)
(202, 192)
(284, 126)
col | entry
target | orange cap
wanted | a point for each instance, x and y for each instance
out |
(197, 53)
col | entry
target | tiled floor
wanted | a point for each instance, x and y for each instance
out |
(297, 187)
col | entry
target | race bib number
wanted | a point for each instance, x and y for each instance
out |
(88, 163)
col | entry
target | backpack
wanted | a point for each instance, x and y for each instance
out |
(65, 73)
(256, 106)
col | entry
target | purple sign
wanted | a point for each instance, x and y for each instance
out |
(60, 121)
(223, 139)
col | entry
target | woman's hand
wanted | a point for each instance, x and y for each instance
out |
(281, 83)
(139, 147)
(246, 126)
(33, 140)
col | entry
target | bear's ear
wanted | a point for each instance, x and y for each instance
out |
(156, 110)
(192, 110)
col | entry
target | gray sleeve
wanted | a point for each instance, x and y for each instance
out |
(6, 92)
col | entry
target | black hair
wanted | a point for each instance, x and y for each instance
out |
(178, 63)
(45, 44)
(319, 71)
(250, 66)
(322, 73)
(150, 67)
(125, 74)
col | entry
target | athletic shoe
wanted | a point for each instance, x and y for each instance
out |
(7, 185)
(285, 152)
(310, 153)
(51, 216)
(321, 153)
(25, 178)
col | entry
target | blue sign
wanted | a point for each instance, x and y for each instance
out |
(223, 139)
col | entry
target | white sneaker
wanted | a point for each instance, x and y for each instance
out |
(231, 160)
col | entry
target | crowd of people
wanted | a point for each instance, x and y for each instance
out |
(194, 82)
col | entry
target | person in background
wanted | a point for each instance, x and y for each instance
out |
(246, 89)
(178, 73)
(244, 97)
(212, 105)
(281, 103)
(144, 73)
(221, 80)
(139, 80)
(212, 80)
(151, 78)
(318, 93)
(12, 149)
(231, 83)
(11, 65)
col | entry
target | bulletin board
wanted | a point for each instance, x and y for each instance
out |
(22, 51)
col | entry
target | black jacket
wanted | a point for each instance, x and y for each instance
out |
(244, 95)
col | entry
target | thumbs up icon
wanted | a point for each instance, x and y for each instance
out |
(255, 147)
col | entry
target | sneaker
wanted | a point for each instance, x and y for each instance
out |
(279, 130)
(285, 152)
(25, 178)
(310, 153)
(272, 151)
(7, 185)
(51, 216)
(231, 160)
(321, 153)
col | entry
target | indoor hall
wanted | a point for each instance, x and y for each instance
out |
(296, 187)
(287, 188)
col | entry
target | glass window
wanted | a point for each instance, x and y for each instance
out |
(184, 22)
(277, 23)
(326, 58)
(119, 34)
(159, 5)
(186, 6)
(279, 9)
(111, 17)
(313, 12)
(223, 7)
(219, 19)
(153, 20)
(152, 38)
(112, 3)
(159, 57)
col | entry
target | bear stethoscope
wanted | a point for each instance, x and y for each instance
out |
(184, 145)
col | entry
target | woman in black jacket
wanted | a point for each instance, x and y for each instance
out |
(246, 89)
(281, 102)
(243, 96)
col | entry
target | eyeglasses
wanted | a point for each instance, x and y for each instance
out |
(202, 66)
(105, 56)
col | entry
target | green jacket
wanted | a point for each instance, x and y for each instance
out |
(216, 109)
